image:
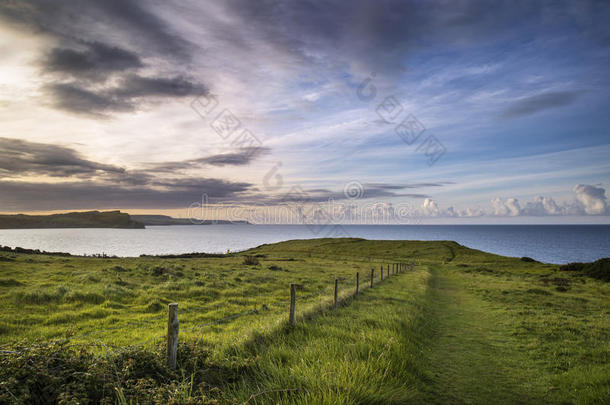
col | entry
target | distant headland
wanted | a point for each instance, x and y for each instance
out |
(99, 219)
(167, 220)
(89, 219)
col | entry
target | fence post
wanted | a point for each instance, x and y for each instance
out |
(372, 276)
(293, 299)
(336, 291)
(172, 336)
(382, 272)
(388, 271)
(357, 282)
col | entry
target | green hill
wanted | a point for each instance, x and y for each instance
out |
(89, 219)
(460, 326)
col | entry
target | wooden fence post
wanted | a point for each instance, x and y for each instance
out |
(388, 271)
(336, 291)
(172, 336)
(357, 282)
(293, 299)
(382, 272)
(372, 276)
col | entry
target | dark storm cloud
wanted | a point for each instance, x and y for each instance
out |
(377, 36)
(29, 196)
(95, 185)
(87, 57)
(137, 86)
(91, 184)
(540, 102)
(300, 196)
(96, 60)
(384, 186)
(374, 35)
(73, 98)
(22, 158)
(241, 157)
(132, 91)
(86, 20)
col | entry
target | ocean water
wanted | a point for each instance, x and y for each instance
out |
(548, 243)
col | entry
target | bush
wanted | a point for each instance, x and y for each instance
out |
(599, 269)
(577, 266)
(250, 260)
(62, 373)
(159, 271)
(529, 259)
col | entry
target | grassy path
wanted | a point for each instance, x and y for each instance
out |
(474, 357)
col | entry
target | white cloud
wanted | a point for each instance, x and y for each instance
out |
(593, 199)
(509, 207)
(590, 200)
(542, 206)
(430, 208)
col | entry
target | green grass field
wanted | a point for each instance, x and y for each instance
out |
(463, 326)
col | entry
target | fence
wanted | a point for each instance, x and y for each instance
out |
(173, 328)
(173, 323)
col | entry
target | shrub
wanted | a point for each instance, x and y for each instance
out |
(158, 271)
(529, 259)
(59, 373)
(599, 269)
(250, 260)
(576, 266)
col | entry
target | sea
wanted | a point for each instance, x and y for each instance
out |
(547, 243)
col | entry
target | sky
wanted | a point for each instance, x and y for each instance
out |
(343, 111)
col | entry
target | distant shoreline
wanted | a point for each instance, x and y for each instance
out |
(88, 219)
(100, 219)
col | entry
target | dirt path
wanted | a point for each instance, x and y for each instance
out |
(475, 358)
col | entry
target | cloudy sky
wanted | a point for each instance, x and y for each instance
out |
(484, 111)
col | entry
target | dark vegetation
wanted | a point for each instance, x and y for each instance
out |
(28, 252)
(599, 269)
(250, 260)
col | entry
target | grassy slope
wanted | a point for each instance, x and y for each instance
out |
(464, 327)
